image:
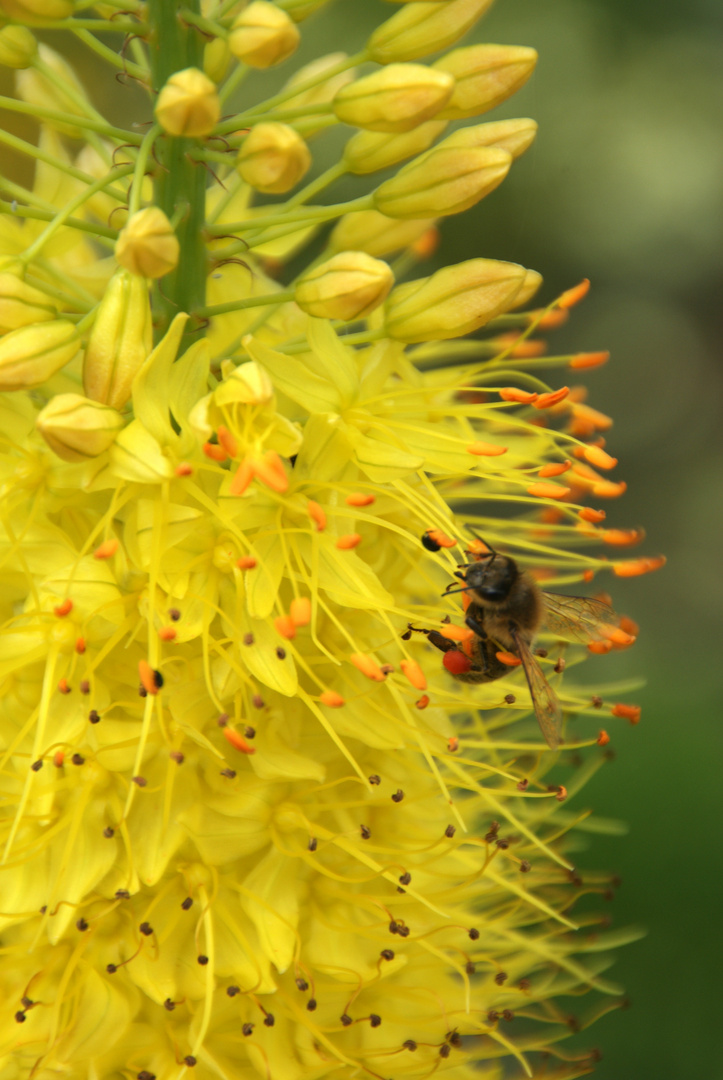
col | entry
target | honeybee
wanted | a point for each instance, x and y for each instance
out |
(507, 610)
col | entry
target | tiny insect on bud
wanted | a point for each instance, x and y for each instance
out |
(348, 286)
(273, 158)
(188, 105)
(263, 35)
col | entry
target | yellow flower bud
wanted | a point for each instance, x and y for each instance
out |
(485, 76)
(514, 136)
(423, 28)
(188, 105)
(37, 89)
(529, 287)
(372, 232)
(120, 340)
(454, 301)
(394, 99)
(36, 12)
(301, 9)
(347, 286)
(320, 94)
(76, 428)
(273, 158)
(18, 47)
(445, 180)
(21, 304)
(32, 354)
(148, 246)
(263, 35)
(370, 151)
(216, 56)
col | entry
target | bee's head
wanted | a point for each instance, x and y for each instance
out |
(492, 579)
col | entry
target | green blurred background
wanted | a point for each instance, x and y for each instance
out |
(624, 186)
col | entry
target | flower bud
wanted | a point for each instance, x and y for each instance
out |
(485, 76)
(148, 246)
(216, 56)
(31, 354)
(514, 136)
(18, 47)
(370, 151)
(77, 429)
(394, 99)
(301, 9)
(372, 232)
(37, 89)
(36, 12)
(454, 301)
(273, 158)
(120, 340)
(263, 35)
(320, 94)
(423, 28)
(347, 286)
(529, 287)
(445, 180)
(21, 304)
(188, 105)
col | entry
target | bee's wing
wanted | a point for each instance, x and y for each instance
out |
(578, 618)
(544, 699)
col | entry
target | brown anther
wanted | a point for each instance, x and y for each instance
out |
(122, 894)
(387, 954)
(502, 843)
(365, 832)
(269, 1020)
(470, 968)
(450, 831)
(522, 785)
(84, 686)
(169, 1005)
(177, 756)
(525, 867)
(189, 1060)
(393, 927)
(302, 985)
(375, 1020)
(140, 781)
(398, 795)
(111, 968)
(20, 1017)
(257, 701)
(409, 1044)
(142, 692)
(26, 1002)
(405, 878)
(202, 960)
(374, 780)
(311, 1004)
(346, 1019)
(37, 765)
(312, 844)
(145, 1075)
(454, 1038)
(232, 991)
(510, 699)
(78, 759)
(524, 984)
(473, 934)
(501, 977)
(248, 639)
(596, 702)
(82, 925)
(560, 665)
(174, 614)
(247, 1029)
(445, 1050)
(541, 652)
(281, 653)
(507, 1014)
(146, 929)
(187, 904)
(222, 719)
(64, 687)
(250, 732)
(228, 773)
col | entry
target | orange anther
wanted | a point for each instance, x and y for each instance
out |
(603, 738)
(106, 550)
(331, 699)
(545, 401)
(485, 449)
(561, 793)
(629, 625)
(477, 547)
(598, 457)
(627, 712)
(589, 360)
(184, 468)
(317, 515)
(300, 611)
(550, 515)
(348, 541)
(600, 647)
(588, 575)
(358, 498)
(64, 608)
(508, 658)
(555, 468)
(58, 758)
(63, 686)
(167, 633)
(573, 296)
(549, 491)
(452, 743)
(623, 537)
(634, 567)
(456, 662)
(606, 489)
(246, 562)
(148, 676)
(456, 633)
(422, 702)
(367, 666)
(214, 451)
(414, 674)
(511, 393)
(549, 320)
(528, 348)
(80, 645)
(271, 472)
(227, 440)
(241, 478)
(284, 625)
(593, 516)
(441, 538)
(619, 637)
(597, 420)
(426, 245)
(237, 741)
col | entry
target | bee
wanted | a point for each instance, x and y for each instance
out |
(507, 610)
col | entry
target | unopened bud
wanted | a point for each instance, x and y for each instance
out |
(148, 246)
(263, 35)
(18, 47)
(301, 9)
(423, 28)
(21, 304)
(273, 158)
(376, 234)
(454, 301)
(514, 136)
(32, 354)
(188, 105)
(216, 57)
(76, 428)
(529, 287)
(446, 180)
(394, 99)
(36, 88)
(485, 76)
(348, 286)
(36, 12)
(322, 93)
(370, 151)
(120, 340)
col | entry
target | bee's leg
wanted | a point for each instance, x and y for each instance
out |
(476, 626)
(413, 630)
(440, 641)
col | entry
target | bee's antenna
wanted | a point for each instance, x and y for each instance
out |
(450, 592)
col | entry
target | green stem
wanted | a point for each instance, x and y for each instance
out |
(83, 122)
(140, 168)
(285, 115)
(98, 231)
(110, 55)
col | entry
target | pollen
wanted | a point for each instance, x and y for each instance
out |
(603, 738)
(64, 608)
(441, 539)
(623, 537)
(456, 633)
(358, 498)
(148, 677)
(414, 674)
(555, 468)
(348, 541)
(523, 397)
(246, 562)
(627, 712)
(300, 611)
(168, 633)
(331, 699)
(485, 449)
(456, 662)
(317, 514)
(598, 457)
(588, 360)
(546, 401)
(508, 658)
(106, 550)
(367, 666)
(237, 741)
(635, 567)
(573, 296)
(548, 491)
(285, 626)
(593, 516)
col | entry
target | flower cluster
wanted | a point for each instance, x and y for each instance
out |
(251, 825)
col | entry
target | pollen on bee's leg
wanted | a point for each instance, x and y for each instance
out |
(414, 674)
(106, 550)
(456, 662)
(573, 296)
(367, 666)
